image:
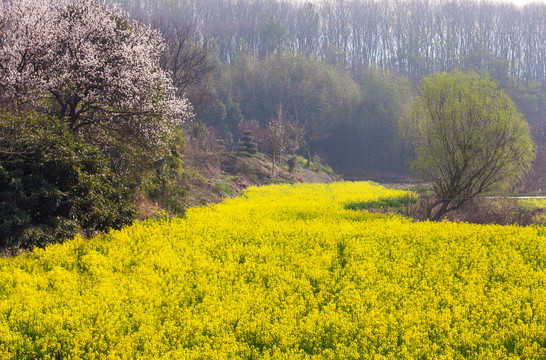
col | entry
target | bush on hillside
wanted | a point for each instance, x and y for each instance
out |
(54, 185)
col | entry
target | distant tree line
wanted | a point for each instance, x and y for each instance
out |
(415, 37)
(344, 70)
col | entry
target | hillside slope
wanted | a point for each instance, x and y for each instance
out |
(215, 177)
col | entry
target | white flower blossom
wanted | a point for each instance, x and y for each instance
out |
(89, 66)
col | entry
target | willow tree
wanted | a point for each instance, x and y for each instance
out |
(469, 138)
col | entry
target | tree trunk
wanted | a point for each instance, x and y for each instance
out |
(444, 209)
(308, 156)
(441, 212)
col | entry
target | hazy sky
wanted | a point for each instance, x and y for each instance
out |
(517, 2)
(522, 2)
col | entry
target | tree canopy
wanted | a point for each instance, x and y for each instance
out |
(415, 37)
(264, 53)
(92, 68)
(469, 137)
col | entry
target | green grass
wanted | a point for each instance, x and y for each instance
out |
(531, 205)
(271, 181)
(302, 161)
(224, 186)
(327, 170)
(399, 204)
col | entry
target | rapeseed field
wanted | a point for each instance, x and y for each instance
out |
(282, 272)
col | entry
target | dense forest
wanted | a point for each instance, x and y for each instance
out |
(343, 71)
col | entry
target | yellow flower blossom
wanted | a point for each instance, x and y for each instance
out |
(282, 272)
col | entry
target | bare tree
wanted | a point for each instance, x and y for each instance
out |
(184, 58)
(275, 137)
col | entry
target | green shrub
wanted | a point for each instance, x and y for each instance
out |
(292, 164)
(167, 181)
(54, 185)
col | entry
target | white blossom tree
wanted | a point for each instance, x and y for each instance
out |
(89, 66)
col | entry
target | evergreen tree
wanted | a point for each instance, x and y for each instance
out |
(247, 146)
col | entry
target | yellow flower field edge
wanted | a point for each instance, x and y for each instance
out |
(282, 272)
